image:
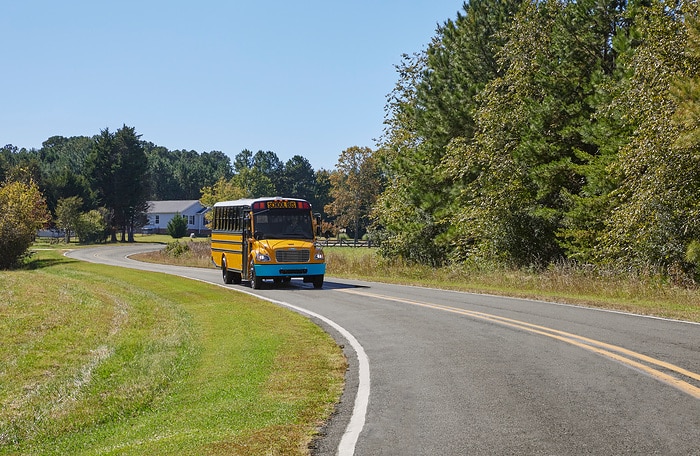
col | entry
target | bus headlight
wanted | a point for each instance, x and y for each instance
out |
(262, 257)
(319, 255)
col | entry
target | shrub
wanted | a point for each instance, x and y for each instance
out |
(177, 226)
(91, 227)
(22, 212)
(176, 249)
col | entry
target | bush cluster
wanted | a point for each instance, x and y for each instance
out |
(176, 248)
(22, 212)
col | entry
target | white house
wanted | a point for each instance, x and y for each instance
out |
(161, 212)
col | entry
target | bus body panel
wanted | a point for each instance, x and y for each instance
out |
(270, 271)
(229, 244)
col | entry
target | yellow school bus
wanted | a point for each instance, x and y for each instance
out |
(267, 239)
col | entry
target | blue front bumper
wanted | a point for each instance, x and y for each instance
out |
(289, 270)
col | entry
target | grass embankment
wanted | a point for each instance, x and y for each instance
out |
(103, 360)
(651, 294)
(646, 295)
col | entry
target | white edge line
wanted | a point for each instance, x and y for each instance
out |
(541, 301)
(346, 447)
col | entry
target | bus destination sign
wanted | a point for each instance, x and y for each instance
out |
(282, 204)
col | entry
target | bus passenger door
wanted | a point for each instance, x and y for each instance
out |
(247, 238)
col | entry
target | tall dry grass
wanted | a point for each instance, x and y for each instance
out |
(648, 292)
(196, 253)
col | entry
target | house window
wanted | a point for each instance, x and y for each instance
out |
(191, 219)
(157, 219)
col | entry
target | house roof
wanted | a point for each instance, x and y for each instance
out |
(173, 206)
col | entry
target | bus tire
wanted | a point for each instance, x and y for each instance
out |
(318, 282)
(255, 281)
(226, 275)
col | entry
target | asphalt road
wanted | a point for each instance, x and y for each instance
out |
(446, 373)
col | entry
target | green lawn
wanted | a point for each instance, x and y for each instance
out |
(103, 360)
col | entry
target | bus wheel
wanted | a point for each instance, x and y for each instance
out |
(318, 282)
(227, 276)
(255, 281)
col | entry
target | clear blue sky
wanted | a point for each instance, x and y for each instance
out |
(294, 77)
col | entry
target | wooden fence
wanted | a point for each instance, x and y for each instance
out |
(344, 243)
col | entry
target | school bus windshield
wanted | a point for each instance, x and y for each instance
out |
(283, 224)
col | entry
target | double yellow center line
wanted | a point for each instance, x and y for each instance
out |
(630, 358)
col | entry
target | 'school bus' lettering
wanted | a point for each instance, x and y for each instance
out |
(281, 205)
(245, 241)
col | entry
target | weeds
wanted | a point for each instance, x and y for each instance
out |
(647, 291)
(181, 253)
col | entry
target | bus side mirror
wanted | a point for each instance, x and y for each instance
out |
(318, 224)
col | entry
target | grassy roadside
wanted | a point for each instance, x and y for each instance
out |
(651, 295)
(645, 295)
(101, 360)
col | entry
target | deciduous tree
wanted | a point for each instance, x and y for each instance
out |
(657, 207)
(355, 185)
(68, 212)
(222, 190)
(529, 138)
(23, 211)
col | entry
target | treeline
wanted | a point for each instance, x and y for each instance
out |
(531, 132)
(116, 173)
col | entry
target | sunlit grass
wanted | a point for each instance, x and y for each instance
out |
(96, 359)
(649, 295)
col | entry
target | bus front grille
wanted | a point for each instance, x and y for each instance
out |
(293, 256)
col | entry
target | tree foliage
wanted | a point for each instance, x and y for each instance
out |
(434, 103)
(222, 190)
(92, 227)
(177, 226)
(264, 174)
(23, 211)
(106, 171)
(656, 211)
(530, 132)
(68, 212)
(118, 167)
(355, 184)
(529, 126)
